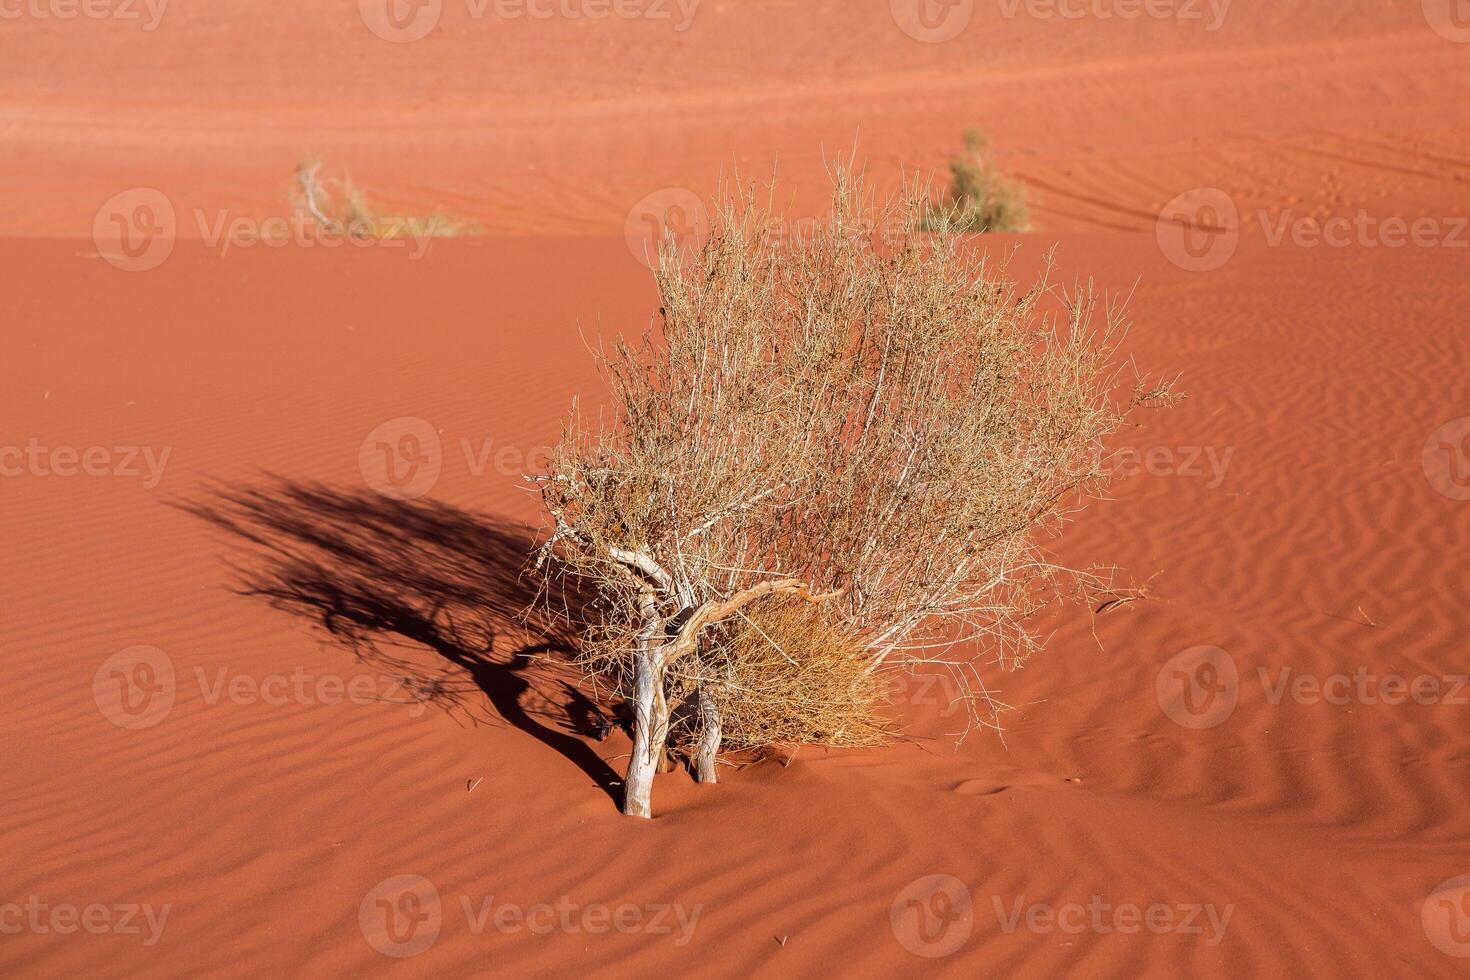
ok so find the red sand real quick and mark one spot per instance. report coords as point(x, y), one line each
point(1297, 511)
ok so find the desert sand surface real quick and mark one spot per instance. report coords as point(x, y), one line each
point(1260, 768)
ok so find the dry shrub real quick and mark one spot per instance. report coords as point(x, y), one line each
point(886, 429)
point(342, 208)
point(981, 198)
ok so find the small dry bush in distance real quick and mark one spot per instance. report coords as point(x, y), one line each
point(981, 198)
point(341, 208)
point(829, 458)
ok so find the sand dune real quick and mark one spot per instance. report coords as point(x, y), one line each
point(1298, 516)
point(263, 823)
point(559, 126)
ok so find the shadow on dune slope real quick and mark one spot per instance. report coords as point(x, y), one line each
point(373, 572)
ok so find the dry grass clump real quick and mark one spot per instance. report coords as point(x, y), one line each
point(981, 198)
point(884, 429)
point(341, 208)
point(787, 673)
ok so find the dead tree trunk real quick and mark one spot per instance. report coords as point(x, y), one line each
point(650, 702)
point(708, 751)
point(650, 732)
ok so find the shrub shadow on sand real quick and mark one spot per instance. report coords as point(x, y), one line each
point(374, 572)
